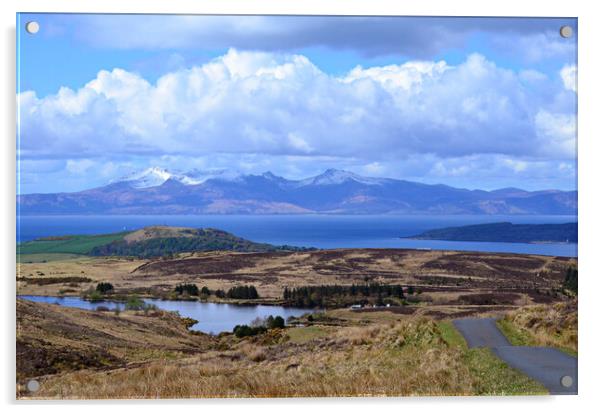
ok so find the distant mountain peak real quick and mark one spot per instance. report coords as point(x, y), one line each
point(337, 176)
point(156, 176)
point(149, 177)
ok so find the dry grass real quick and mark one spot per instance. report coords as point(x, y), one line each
point(552, 325)
point(398, 359)
point(52, 339)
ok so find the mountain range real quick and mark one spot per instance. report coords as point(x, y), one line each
point(159, 191)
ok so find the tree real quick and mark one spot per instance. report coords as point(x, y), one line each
point(104, 287)
point(190, 289)
point(243, 292)
point(205, 291)
point(246, 331)
point(275, 322)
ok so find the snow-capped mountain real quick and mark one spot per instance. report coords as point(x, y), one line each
point(159, 191)
point(337, 177)
point(146, 178)
point(156, 176)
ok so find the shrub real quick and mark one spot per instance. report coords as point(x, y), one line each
point(104, 287)
point(95, 296)
point(134, 303)
point(247, 331)
point(570, 279)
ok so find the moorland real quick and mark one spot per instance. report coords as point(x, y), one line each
point(397, 340)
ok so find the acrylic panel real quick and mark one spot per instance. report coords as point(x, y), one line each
point(295, 206)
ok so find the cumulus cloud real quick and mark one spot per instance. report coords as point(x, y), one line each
point(569, 77)
point(279, 104)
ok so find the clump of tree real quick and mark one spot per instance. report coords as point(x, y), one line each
point(570, 279)
point(247, 331)
point(245, 292)
point(328, 295)
point(274, 322)
point(104, 287)
point(189, 289)
point(258, 326)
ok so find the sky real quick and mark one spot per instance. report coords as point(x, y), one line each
point(481, 103)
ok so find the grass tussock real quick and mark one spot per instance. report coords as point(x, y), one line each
point(543, 325)
point(416, 356)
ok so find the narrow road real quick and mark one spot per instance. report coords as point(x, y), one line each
point(544, 364)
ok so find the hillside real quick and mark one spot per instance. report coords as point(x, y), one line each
point(157, 191)
point(154, 241)
point(100, 355)
point(504, 232)
point(53, 339)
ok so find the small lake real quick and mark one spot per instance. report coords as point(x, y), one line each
point(213, 318)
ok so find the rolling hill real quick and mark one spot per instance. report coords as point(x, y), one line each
point(155, 241)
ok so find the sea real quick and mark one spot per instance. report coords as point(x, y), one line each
point(320, 231)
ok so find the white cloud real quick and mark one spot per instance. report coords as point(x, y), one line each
point(272, 104)
point(557, 133)
point(569, 77)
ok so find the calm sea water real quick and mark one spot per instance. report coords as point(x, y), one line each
point(321, 231)
point(212, 317)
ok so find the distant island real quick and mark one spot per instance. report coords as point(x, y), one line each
point(149, 242)
point(504, 232)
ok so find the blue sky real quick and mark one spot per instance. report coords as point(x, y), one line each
point(470, 102)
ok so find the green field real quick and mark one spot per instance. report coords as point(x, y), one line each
point(72, 244)
point(46, 257)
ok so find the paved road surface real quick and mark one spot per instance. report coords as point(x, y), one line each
point(544, 364)
point(481, 332)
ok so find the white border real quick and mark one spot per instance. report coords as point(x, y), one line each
point(590, 161)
